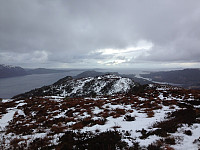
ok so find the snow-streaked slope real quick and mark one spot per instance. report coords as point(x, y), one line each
point(52, 116)
point(106, 84)
point(89, 86)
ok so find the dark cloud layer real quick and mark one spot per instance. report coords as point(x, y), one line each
point(72, 33)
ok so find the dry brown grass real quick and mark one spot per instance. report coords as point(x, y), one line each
point(150, 114)
point(77, 126)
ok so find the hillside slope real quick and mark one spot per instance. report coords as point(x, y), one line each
point(187, 78)
point(89, 86)
point(11, 71)
point(159, 117)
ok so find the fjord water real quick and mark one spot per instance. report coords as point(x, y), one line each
point(10, 87)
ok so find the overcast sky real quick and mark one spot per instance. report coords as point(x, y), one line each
point(100, 33)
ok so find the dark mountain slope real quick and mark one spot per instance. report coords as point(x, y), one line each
point(11, 71)
point(188, 78)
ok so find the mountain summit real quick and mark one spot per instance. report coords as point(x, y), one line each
point(89, 86)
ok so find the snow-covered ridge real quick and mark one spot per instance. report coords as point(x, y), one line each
point(89, 86)
point(8, 66)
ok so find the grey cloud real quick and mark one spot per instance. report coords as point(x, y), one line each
point(68, 31)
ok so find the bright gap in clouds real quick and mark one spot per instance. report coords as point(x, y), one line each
point(118, 56)
point(141, 45)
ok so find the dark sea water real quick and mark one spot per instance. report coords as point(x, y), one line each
point(10, 87)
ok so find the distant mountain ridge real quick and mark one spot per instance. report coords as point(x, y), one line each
point(11, 71)
point(7, 71)
point(187, 78)
point(93, 73)
point(88, 86)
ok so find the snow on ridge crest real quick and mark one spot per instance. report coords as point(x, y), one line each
point(8, 66)
point(88, 86)
point(105, 84)
point(110, 76)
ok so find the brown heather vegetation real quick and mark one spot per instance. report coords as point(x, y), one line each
point(41, 112)
point(44, 114)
